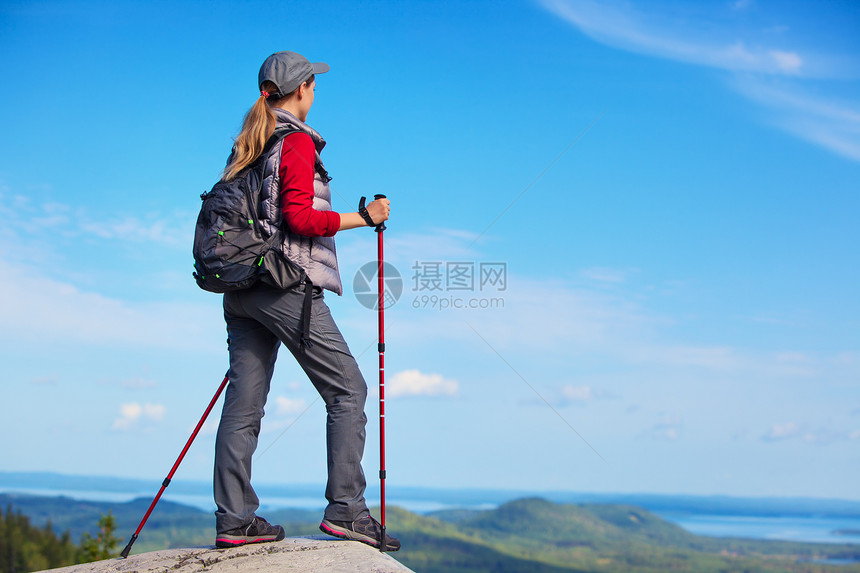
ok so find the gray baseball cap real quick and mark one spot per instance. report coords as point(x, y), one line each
point(288, 70)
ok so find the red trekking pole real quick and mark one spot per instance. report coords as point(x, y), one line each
point(379, 229)
point(166, 481)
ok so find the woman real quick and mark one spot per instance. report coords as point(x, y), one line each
point(295, 195)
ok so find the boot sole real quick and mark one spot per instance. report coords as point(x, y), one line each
point(225, 541)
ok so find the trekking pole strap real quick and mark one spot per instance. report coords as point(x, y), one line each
point(305, 337)
point(362, 210)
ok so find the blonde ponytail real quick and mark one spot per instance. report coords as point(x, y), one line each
point(258, 126)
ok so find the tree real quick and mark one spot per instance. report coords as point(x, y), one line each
point(24, 547)
point(103, 546)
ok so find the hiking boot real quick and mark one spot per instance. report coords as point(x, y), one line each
point(258, 531)
point(364, 529)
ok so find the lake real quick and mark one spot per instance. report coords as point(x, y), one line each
point(808, 528)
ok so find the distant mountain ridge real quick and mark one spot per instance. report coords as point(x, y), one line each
point(524, 535)
point(466, 497)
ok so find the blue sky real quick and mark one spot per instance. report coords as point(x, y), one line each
point(672, 189)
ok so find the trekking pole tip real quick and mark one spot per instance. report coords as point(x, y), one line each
point(127, 549)
point(383, 547)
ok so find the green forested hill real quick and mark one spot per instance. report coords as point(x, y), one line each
point(527, 535)
point(593, 537)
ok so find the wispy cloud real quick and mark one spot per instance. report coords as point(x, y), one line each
point(55, 219)
point(607, 274)
point(830, 124)
point(582, 394)
point(769, 73)
point(67, 313)
point(691, 40)
point(583, 320)
point(667, 428)
point(138, 383)
point(578, 393)
point(405, 248)
point(821, 436)
point(151, 229)
point(782, 431)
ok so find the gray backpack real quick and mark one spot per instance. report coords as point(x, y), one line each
point(231, 251)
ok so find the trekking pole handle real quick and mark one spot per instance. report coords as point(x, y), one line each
point(380, 227)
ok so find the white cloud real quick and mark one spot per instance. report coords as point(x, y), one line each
point(133, 413)
point(415, 383)
point(129, 413)
point(289, 406)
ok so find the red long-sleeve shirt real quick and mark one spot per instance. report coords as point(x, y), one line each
point(297, 190)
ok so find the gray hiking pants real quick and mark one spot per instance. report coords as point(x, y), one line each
point(259, 319)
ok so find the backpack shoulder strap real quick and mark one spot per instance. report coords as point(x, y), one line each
point(280, 132)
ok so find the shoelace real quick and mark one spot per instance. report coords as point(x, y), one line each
point(374, 524)
point(255, 521)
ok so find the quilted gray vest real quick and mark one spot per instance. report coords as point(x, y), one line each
point(316, 255)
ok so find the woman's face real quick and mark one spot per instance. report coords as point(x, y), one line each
point(307, 100)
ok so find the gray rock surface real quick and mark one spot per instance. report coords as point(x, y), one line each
point(315, 553)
